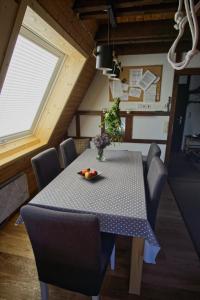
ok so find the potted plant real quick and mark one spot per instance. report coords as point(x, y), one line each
point(112, 122)
point(113, 131)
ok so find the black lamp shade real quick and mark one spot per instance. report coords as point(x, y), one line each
point(114, 73)
point(104, 57)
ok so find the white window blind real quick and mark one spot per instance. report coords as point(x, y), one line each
point(28, 79)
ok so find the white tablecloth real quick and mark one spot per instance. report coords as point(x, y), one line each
point(117, 196)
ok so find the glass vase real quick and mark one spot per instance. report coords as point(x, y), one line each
point(100, 155)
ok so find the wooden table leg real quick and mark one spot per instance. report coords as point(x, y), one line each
point(137, 253)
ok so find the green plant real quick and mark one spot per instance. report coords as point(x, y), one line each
point(112, 122)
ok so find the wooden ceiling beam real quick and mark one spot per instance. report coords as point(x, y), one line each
point(156, 47)
point(120, 9)
point(133, 4)
point(86, 6)
point(137, 31)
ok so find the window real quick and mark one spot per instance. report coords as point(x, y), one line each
point(30, 76)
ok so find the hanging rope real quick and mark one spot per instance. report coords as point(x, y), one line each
point(181, 21)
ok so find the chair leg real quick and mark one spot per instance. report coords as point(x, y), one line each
point(44, 290)
point(112, 259)
point(96, 297)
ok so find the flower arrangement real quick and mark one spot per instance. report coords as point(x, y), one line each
point(101, 141)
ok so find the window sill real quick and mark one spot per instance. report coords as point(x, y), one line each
point(11, 151)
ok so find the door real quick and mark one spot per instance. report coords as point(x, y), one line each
point(180, 112)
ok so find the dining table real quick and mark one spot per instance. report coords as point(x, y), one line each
point(116, 196)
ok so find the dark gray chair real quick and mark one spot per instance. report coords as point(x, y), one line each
point(154, 151)
point(46, 167)
point(70, 251)
point(155, 181)
point(68, 152)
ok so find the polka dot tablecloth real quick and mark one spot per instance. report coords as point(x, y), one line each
point(117, 196)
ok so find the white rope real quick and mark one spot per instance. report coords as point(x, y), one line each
point(181, 21)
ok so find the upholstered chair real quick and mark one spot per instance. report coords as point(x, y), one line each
point(154, 150)
point(70, 251)
point(68, 152)
point(156, 178)
point(46, 167)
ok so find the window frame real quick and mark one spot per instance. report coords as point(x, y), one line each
point(41, 42)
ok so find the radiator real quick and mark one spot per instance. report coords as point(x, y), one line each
point(13, 193)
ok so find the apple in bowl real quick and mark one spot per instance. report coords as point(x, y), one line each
point(88, 173)
point(82, 172)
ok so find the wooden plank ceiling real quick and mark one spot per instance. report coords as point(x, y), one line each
point(133, 24)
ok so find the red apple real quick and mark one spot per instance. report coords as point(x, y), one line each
point(84, 171)
point(88, 175)
point(94, 173)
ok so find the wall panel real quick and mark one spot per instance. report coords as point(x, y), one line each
point(89, 125)
point(154, 127)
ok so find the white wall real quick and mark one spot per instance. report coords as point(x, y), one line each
point(195, 62)
point(97, 99)
point(97, 96)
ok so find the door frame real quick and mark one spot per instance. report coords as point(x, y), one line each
point(189, 71)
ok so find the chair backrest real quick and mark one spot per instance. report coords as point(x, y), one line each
point(156, 179)
point(46, 167)
point(154, 150)
point(68, 152)
point(67, 247)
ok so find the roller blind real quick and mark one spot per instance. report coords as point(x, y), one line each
point(27, 82)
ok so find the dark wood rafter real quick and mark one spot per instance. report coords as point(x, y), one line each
point(126, 13)
point(128, 128)
point(149, 48)
point(148, 141)
point(124, 113)
point(96, 9)
point(78, 130)
point(156, 31)
point(102, 124)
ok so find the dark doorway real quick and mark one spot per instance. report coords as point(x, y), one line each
point(179, 119)
point(186, 127)
point(184, 163)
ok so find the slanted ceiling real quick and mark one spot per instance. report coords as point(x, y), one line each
point(61, 11)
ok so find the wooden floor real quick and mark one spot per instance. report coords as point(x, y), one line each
point(175, 276)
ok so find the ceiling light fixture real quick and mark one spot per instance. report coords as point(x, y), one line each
point(104, 57)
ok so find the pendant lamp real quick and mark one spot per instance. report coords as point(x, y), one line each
point(104, 57)
point(104, 53)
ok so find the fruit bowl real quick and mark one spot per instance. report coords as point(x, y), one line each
point(89, 174)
